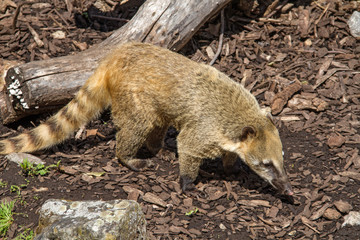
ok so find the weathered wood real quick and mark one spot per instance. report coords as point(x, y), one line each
point(41, 86)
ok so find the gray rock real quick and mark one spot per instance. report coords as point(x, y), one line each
point(352, 219)
point(354, 24)
point(68, 220)
point(19, 158)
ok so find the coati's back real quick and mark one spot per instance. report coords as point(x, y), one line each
point(177, 86)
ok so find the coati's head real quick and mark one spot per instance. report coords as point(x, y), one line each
point(261, 149)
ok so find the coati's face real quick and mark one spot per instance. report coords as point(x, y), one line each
point(261, 150)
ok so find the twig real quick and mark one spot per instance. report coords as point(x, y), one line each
point(328, 74)
point(277, 9)
point(62, 18)
point(36, 36)
point(16, 15)
point(5, 15)
point(331, 10)
point(57, 23)
point(112, 3)
point(220, 39)
point(312, 228)
point(271, 7)
point(322, 14)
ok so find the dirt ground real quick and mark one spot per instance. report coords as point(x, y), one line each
point(301, 45)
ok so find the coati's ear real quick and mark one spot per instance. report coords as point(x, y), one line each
point(247, 132)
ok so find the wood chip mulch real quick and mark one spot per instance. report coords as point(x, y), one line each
point(300, 60)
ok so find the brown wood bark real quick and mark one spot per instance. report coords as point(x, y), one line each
point(41, 86)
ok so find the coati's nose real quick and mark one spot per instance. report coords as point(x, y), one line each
point(283, 186)
point(288, 190)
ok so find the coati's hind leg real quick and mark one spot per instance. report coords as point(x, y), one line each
point(155, 140)
point(130, 138)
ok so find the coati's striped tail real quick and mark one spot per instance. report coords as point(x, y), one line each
point(88, 103)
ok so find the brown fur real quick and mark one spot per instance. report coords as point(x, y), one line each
point(150, 88)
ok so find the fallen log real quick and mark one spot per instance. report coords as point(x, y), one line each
point(40, 86)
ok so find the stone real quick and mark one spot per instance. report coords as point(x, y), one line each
point(116, 219)
point(354, 24)
point(19, 158)
point(222, 226)
point(335, 141)
point(352, 219)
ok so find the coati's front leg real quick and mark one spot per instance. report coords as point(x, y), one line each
point(229, 161)
point(189, 161)
point(189, 170)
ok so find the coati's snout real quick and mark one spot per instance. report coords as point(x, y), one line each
point(275, 175)
point(272, 172)
point(283, 186)
point(265, 157)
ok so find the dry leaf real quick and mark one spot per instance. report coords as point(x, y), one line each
point(91, 132)
point(95, 174)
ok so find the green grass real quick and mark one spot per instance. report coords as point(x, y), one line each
point(30, 169)
point(6, 217)
point(3, 184)
point(28, 234)
point(192, 212)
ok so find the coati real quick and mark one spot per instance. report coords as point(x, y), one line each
point(150, 88)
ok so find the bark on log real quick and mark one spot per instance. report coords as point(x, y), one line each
point(41, 86)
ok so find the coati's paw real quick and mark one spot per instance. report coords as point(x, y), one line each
point(186, 183)
point(137, 164)
point(166, 155)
